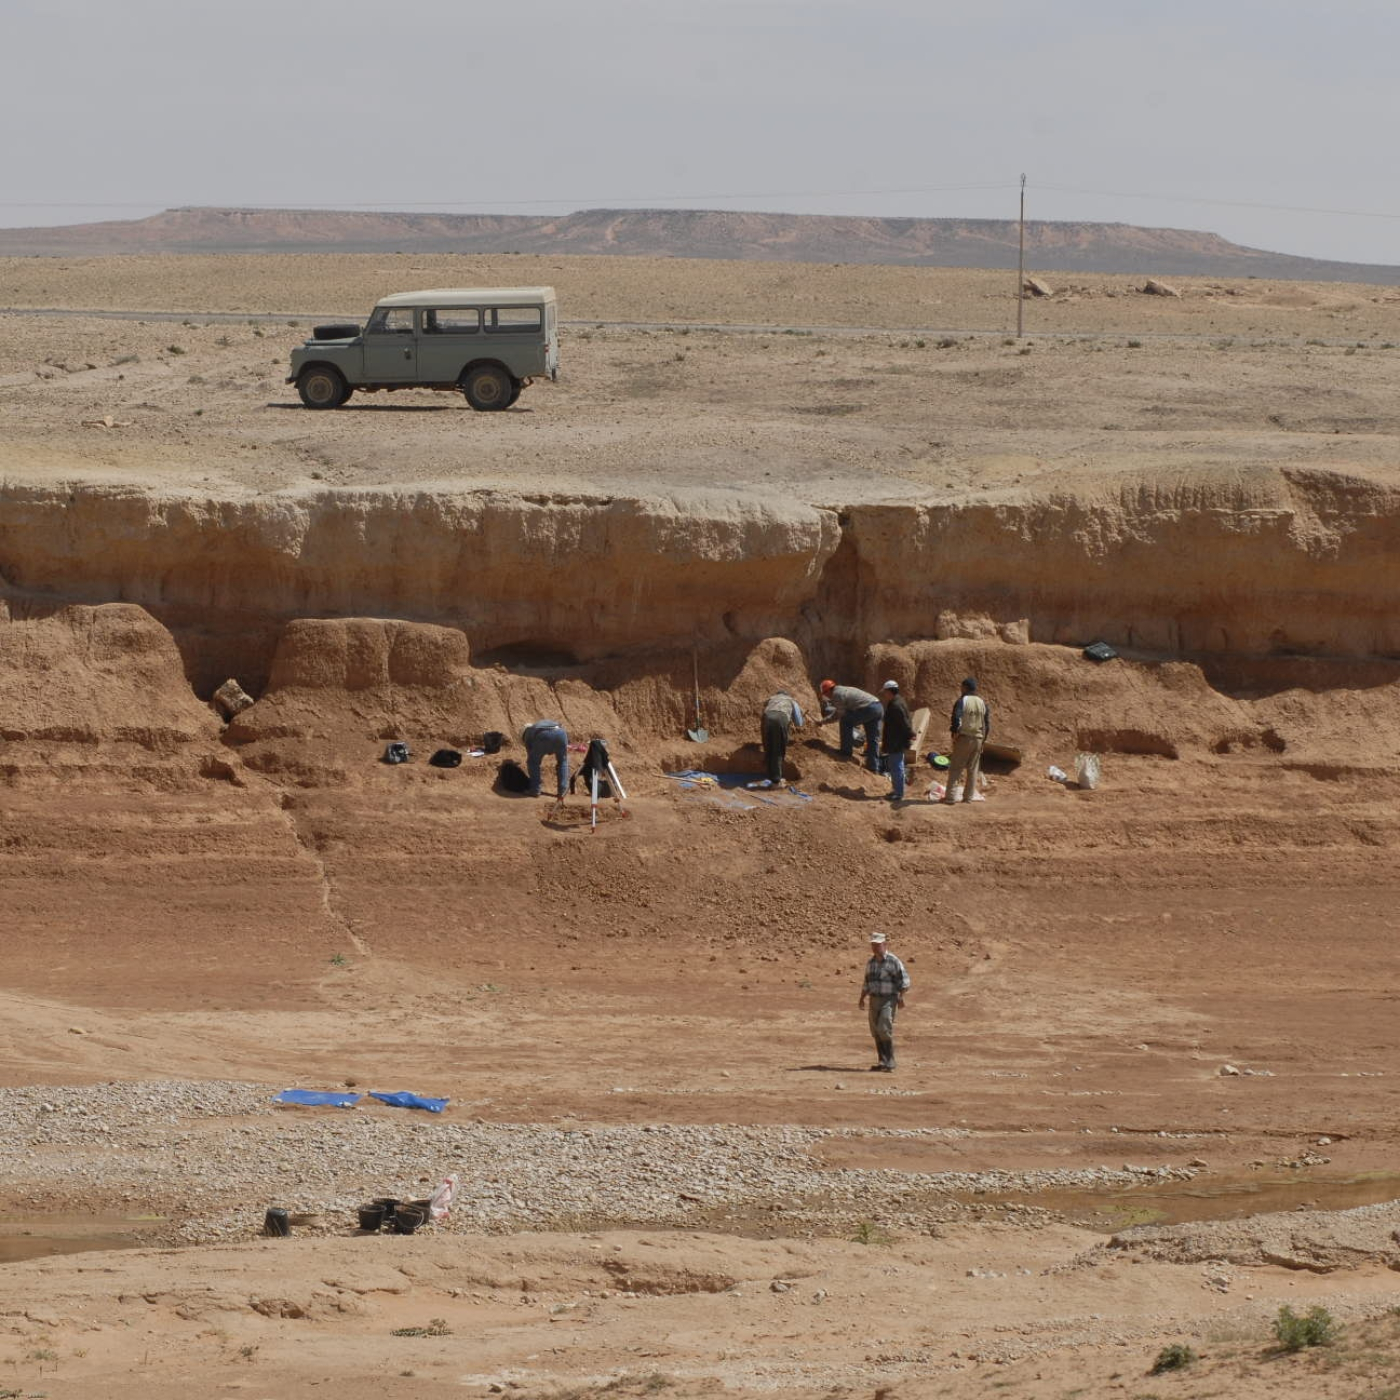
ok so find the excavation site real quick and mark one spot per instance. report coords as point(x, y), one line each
point(326, 1074)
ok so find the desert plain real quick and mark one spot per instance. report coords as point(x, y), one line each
point(1146, 1093)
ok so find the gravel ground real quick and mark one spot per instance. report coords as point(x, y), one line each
point(210, 1157)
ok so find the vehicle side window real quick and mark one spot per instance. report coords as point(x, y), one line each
point(391, 320)
point(453, 320)
point(514, 320)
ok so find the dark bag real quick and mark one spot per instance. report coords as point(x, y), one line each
point(512, 777)
point(446, 758)
point(492, 740)
point(1099, 651)
point(396, 753)
point(596, 759)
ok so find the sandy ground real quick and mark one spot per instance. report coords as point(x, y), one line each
point(1086, 965)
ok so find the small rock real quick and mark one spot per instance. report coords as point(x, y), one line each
point(1037, 288)
point(778, 1286)
point(1153, 288)
point(1228, 1069)
point(78, 1030)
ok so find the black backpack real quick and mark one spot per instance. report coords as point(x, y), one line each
point(446, 758)
point(396, 753)
point(596, 759)
point(492, 740)
point(512, 777)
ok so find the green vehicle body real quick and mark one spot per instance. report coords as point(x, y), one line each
point(486, 342)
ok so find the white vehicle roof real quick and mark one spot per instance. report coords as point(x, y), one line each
point(471, 296)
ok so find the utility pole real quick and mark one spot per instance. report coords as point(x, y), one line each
point(1021, 268)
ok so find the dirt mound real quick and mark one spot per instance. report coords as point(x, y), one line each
point(1316, 1241)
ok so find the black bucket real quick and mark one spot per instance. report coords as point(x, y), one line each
point(408, 1218)
point(276, 1225)
point(371, 1217)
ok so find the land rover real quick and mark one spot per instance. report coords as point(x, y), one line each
point(486, 342)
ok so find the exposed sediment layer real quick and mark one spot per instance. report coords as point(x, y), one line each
point(1267, 561)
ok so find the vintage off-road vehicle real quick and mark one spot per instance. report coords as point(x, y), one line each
point(487, 342)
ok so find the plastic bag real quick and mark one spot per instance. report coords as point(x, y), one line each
point(1056, 775)
point(1086, 770)
point(440, 1202)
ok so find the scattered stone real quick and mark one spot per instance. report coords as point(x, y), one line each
point(232, 699)
point(1153, 288)
point(1228, 1069)
point(1037, 288)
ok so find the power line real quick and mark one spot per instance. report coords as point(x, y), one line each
point(436, 204)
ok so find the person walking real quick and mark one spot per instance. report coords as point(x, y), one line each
point(972, 722)
point(882, 994)
point(896, 734)
point(854, 708)
point(543, 738)
point(779, 715)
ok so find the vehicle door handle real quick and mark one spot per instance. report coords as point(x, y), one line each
point(407, 353)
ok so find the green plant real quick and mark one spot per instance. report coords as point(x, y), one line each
point(1315, 1328)
point(919, 344)
point(868, 1232)
point(1176, 1357)
point(1135, 345)
point(339, 960)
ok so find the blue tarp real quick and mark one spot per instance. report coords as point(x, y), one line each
point(406, 1100)
point(314, 1098)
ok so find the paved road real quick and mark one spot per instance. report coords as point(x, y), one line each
point(293, 319)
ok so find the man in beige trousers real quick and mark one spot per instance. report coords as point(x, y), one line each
point(972, 722)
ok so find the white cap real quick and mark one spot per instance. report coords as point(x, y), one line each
point(877, 937)
point(890, 685)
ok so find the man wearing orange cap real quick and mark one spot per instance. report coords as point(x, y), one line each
point(854, 708)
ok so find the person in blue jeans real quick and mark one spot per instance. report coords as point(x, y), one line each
point(854, 709)
point(544, 738)
point(896, 735)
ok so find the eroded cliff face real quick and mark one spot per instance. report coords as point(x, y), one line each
point(1234, 563)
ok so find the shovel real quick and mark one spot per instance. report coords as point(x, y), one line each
point(698, 735)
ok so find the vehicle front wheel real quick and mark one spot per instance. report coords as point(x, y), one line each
point(322, 387)
point(489, 388)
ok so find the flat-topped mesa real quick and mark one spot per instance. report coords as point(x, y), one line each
point(1266, 562)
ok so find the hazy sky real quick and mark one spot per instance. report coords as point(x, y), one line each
point(1195, 114)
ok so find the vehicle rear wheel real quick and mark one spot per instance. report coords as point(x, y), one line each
point(488, 389)
point(322, 387)
point(515, 387)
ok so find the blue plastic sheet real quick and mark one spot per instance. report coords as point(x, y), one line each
point(406, 1100)
point(315, 1098)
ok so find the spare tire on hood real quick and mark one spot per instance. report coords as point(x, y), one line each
point(344, 331)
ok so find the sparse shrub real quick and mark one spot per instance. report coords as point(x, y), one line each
point(1314, 341)
point(127, 360)
point(1176, 1357)
point(437, 1327)
point(174, 349)
point(338, 959)
point(223, 342)
point(1350, 350)
point(1010, 340)
point(195, 379)
point(949, 342)
point(920, 344)
point(868, 1232)
point(1315, 1328)
point(1135, 345)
